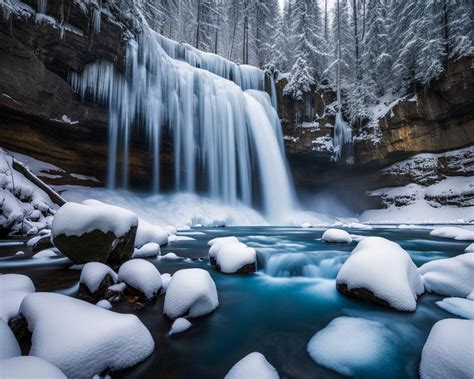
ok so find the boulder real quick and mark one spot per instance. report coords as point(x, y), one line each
point(42, 244)
point(95, 280)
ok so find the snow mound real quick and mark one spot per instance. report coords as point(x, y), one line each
point(170, 257)
point(104, 304)
point(234, 256)
point(448, 351)
point(13, 288)
point(190, 291)
point(222, 239)
point(179, 325)
point(74, 219)
point(29, 367)
point(83, 339)
point(142, 276)
point(450, 276)
point(350, 345)
point(386, 270)
point(8, 344)
point(336, 236)
point(150, 249)
point(470, 248)
point(46, 253)
point(173, 238)
point(165, 280)
point(453, 232)
point(148, 232)
point(458, 306)
point(93, 273)
point(306, 225)
point(251, 366)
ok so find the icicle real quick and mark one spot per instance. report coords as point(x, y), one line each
point(342, 135)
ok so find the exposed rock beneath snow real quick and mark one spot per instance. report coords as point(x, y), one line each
point(448, 350)
point(253, 365)
point(380, 271)
point(336, 236)
point(95, 280)
point(231, 256)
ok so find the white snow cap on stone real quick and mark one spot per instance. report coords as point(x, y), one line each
point(336, 236)
point(450, 276)
point(222, 239)
point(8, 344)
point(147, 232)
point(350, 344)
point(142, 276)
point(232, 256)
point(253, 366)
point(454, 232)
point(13, 288)
point(93, 273)
point(449, 350)
point(150, 249)
point(179, 325)
point(385, 269)
point(458, 306)
point(190, 291)
point(82, 339)
point(29, 367)
point(74, 219)
point(165, 280)
point(306, 225)
point(170, 257)
point(46, 253)
point(104, 304)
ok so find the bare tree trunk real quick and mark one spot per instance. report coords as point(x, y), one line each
point(245, 52)
point(338, 73)
point(326, 20)
point(446, 30)
point(198, 29)
point(356, 35)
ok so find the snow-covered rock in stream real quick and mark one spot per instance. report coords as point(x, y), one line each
point(174, 238)
point(454, 232)
point(82, 339)
point(104, 304)
point(179, 326)
point(232, 256)
point(94, 231)
point(380, 271)
point(141, 277)
point(150, 249)
point(336, 236)
point(29, 367)
point(253, 366)
point(148, 232)
point(95, 280)
point(13, 288)
point(190, 291)
point(352, 346)
point(450, 276)
point(8, 344)
point(47, 253)
point(165, 280)
point(470, 248)
point(458, 306)
point(449, 350)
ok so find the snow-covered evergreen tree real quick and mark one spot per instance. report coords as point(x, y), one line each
point(301, 78)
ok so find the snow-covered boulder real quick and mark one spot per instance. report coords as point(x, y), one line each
point(170, 257)
point(8, 344)
point(470, 248)
point(82, 339)
point(104, 304)
point(458, 306)
point(150, 233)
point(13, 288)
point(179, 326)
point(165, 280)
point(351, 346)
point(222, 239)
point(150, 249)
point(450, 276)
point(449, 350)
point(94, 231)
point(306, 225)
point(380, 271)
point(47, 253)
point(232, 256)
point(453, 232)
point(95, 280)
point(29, 367)
point(142, 278)
point(253, 366)
point(190, 291)
point(41, 242)
point(336, 236)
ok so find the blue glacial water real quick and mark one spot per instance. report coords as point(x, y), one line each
point(275, 311)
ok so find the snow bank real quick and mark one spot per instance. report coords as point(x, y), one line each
point(348, 345)
point(141, 275)
point(29, 367)
point(148, 232)
point(74, 219)
point(8, 344)
point(150, 249)
point(450, 276)
point(190, 291)
point(449, 350)
point(253, 365)
point(83, 339)
point(13, 288)
point(453, 232)
point(386, 270)
point(336, 236)
point(93, 273)
point(179, 325)
point(458, 306)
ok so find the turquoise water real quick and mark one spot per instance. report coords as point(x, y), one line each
point(277, 310)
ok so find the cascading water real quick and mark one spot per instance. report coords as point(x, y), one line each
point(216, 128)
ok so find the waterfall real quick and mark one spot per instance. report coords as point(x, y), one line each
point(42, 5)
point(230, 135)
